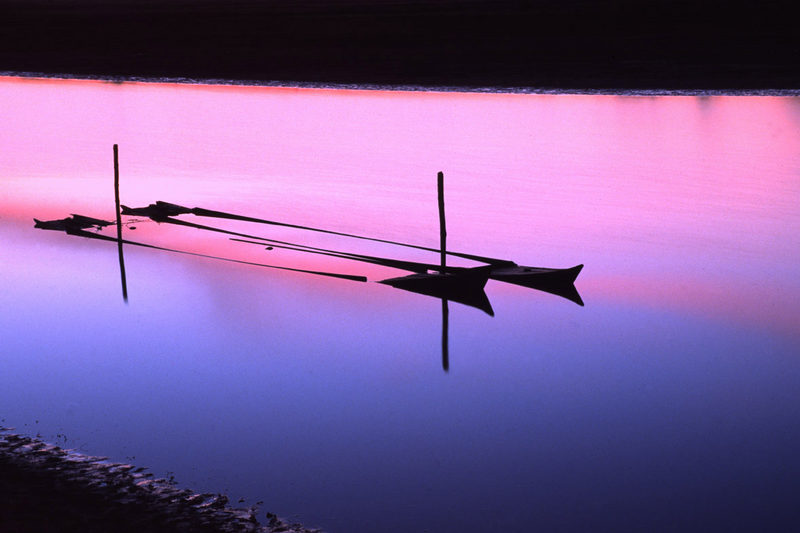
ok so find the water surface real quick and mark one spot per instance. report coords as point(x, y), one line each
point(668, 402)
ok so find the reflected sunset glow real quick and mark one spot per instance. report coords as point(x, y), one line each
point(710, 188)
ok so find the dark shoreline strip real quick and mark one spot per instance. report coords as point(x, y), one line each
point(676, 44)
point(40, 481)
point(608, 89)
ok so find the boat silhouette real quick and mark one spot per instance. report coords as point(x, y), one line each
point(464, 286)
point(558, 281)
point(76, 222)
point(460, 284)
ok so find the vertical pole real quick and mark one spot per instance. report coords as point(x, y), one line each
point(445, 335)
point(119, 225)
point(442, 228)
point(443, 251)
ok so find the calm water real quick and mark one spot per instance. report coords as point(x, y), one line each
point(668, 402)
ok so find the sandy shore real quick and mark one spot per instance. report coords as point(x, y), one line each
point(667, 44)
point(45, 489)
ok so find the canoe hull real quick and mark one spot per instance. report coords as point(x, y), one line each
point(462, 286)
point(558, 281)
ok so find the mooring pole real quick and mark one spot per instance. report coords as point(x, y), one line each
point(119, 225)
point(442, 228)
point(443, 251)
